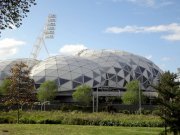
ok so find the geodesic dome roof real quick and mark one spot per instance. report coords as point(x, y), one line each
point(6, 65)
point(122, 67)
point(105, 68)
point(68, 72)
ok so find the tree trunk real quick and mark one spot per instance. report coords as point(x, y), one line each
point(18, 115)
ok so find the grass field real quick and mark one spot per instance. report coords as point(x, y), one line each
point(46, 129)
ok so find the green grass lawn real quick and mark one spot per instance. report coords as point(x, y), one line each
point(46, 129)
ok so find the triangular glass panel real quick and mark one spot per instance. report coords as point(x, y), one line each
point(131, 78)
point(125, 73)
point(119, 78)
point(137, 75)
point(75, 84)
point(113, 78)
point(146, 84)
point(125, 82)
point(106, 83)
point(95, 83)
point(107, 76)
point(37, 86)
point(142, 69)
point(62, 81)
point(102, 79)
point(127, 68)
point(156, 71)
point(150, 63)
point(144, 79)
point(137, 70)
point(86, 79)
point(140, 79)
point(95, 74)
point(117, 69)
point(57, 82)
point(153, 72)
point(110, 75)
point(79, 79)
point(41, 80)
point(148, 73)
point(122, 64)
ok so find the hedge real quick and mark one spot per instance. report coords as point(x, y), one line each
point(79, 118)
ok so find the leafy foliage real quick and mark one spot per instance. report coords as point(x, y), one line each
point(47, 91)
point(169, 101)
point(83, 94)
point(79, 118)
point(21, 88)
point(4, 87)
point(13, 11)
point(131, 96)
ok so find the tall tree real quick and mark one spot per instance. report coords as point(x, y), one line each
point(83, 94)
point(13, 11)
point(47, 91)
point(169, 101)
point(131, 96)
point(21, 89)
point(4, 87)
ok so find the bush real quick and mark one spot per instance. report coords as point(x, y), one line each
point(79, 118)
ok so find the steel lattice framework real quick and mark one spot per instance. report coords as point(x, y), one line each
point(47, 33)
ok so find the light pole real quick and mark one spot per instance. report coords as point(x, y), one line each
point(93, 99)
point(140, 108)
point(97, 96)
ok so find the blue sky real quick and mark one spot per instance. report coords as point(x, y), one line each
point(150, 28)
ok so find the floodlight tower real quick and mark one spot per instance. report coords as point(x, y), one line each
point(47, 33)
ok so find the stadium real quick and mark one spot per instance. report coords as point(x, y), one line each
point(107, 71)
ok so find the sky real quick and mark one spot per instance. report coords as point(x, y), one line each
point(149, 28)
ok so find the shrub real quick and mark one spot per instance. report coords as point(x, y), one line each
point(79, 118)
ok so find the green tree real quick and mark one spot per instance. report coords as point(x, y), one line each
point(131, 96)
point(21, 89)
point(13, 11)
point(83, 94)
point(169, 101)
point(4, 87)
point(47, 91)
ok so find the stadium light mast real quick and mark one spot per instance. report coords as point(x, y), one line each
point(47, 33)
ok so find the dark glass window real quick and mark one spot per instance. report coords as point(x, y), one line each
point(86, 78)
point(63, 81)
point(75, 84)
point(117, 69)
point(79, 79)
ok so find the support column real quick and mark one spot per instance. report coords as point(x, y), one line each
point(93, 103)
point(97, 100)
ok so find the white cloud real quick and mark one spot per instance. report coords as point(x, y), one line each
point(172, 37)
point(148, 3)
point(9, 46)
point(166, 59)
point(149, 57)
point(8, 52)
point(10, 42)
point(72, 49)
point(172, 30)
